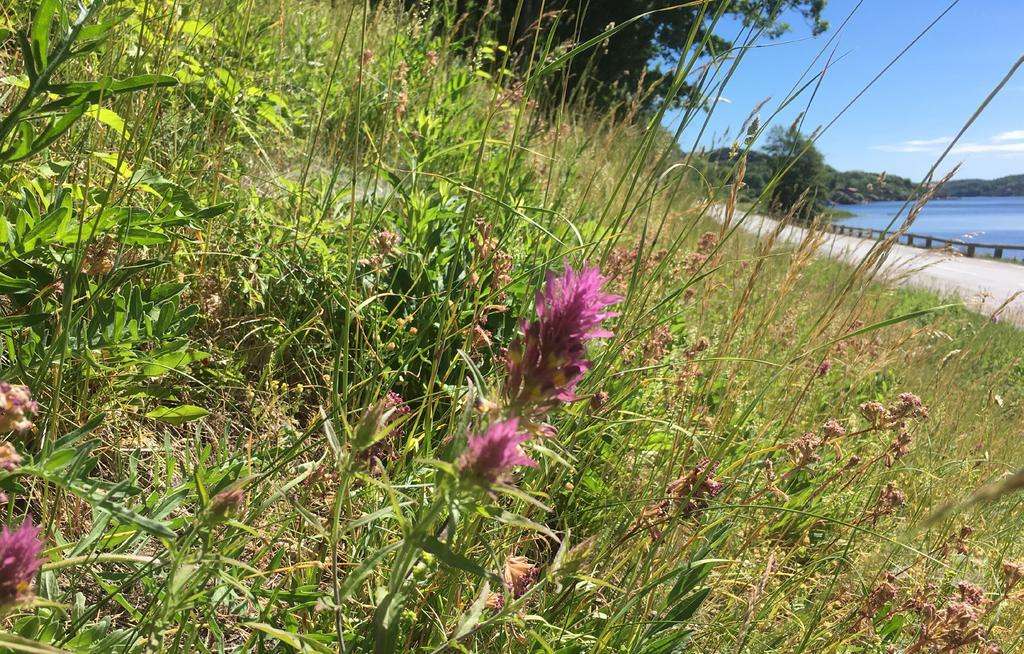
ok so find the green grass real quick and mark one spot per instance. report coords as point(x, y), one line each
point(204, 294)
point(838, 214)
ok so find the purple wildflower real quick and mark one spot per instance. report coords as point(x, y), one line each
point(547, 362)
point(393, 402)
point(823, 369)
point(19, 561)
point(489, 456)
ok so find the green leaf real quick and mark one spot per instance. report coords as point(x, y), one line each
point(685, 609)
point(51, 227)
point(58, 127)
point(295, 641)
point(332, 435)
point(101, 498)
point(196, 28)
point(23, 320)
point(59, 459)
point(91, 36)
point(19, 644)
point(267, 112)
point(125, 514)
point(109, 118)
point(140, 82)
point(213, 211)
point(285, 637)
point(73, 437)
point(450, 558)
point(471, 618)
point(10, 284)
point(172, 361)
point(39, 34)
point(81, 92)
point(521, 522)
point(178, 415)
point(22, 146)
point(668, 643)
point(143, 236)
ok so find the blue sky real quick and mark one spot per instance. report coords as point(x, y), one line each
point(904, 122)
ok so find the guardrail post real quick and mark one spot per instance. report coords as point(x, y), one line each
point(910, 239)
point(998, 253)
point(928, 242)
point(970, 250)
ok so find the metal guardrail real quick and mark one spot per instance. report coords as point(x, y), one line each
point(919, 240)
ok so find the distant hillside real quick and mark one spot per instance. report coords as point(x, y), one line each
point(856, 186)
point(1009, 185)
point(849, 187)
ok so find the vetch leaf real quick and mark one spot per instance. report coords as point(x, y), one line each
point(39, 34)
point(23, 320)
point(178, 415)
point(172, 361)
point(73, 437)
point(58, 127)
point(80, 92)
point(20, 644)
point(59, 459)
point(285, 637)
point(109, 118)
point(452, 559)
point(197, 28)
point(22, 146)
point(472, 616)
point(101, 499)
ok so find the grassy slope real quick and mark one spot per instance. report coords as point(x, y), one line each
point(329, 131)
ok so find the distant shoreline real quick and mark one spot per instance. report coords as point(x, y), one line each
point(980, 282)
point(981, 220)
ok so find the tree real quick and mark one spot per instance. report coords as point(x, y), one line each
point(800, 173)
point(634, 56)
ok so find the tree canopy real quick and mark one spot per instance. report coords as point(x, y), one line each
point(634, 56)
point(802, 183)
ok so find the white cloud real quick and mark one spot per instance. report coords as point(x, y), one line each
point(1012, 135)
point(974, 148)
point(942, 140)
point(915, 145)
point(902, 148)
point(1010, 142)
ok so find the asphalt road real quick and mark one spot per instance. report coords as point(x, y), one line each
point(983, 284)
